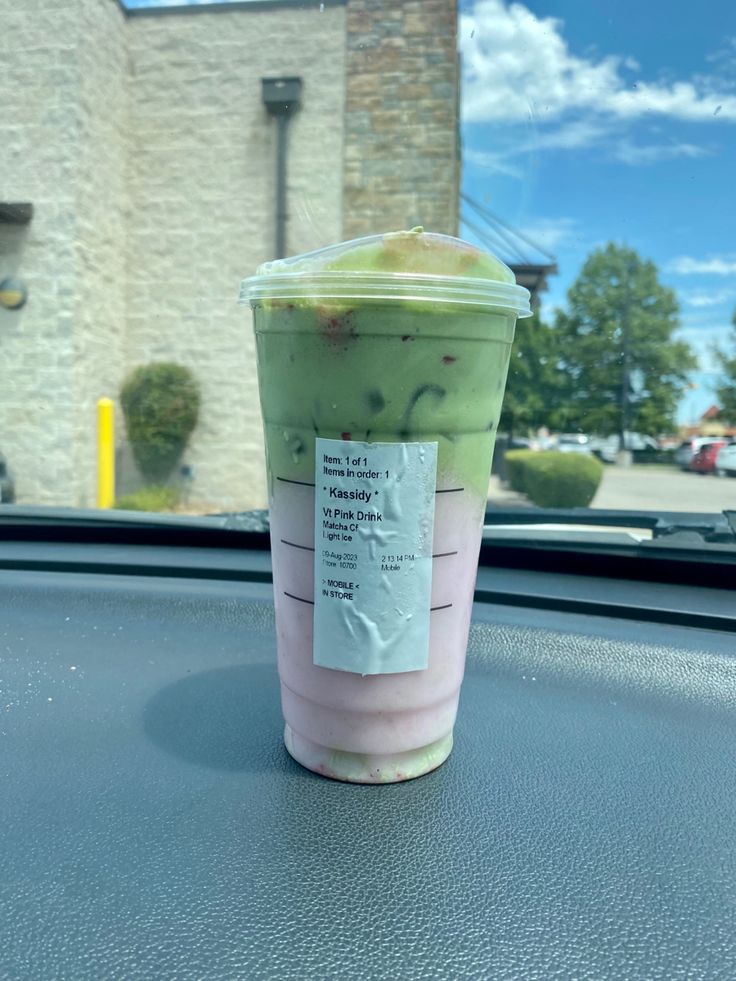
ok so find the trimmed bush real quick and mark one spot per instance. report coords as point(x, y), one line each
point(161, 404)
point(154, 498)
point(515, 460)
point(561, 480)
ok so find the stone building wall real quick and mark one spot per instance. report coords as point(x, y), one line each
point(62, 148)
point(201, 194)
point(402, 159)
point(101, 226)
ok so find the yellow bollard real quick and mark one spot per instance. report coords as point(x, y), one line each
point(105, 453)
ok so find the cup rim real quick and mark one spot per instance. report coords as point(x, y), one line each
point(392, 287)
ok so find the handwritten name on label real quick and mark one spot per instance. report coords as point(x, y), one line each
point(374, 516)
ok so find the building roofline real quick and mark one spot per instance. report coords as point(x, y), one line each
point(549, 268)
point(214, 8)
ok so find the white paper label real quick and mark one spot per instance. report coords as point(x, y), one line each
point(374, 520)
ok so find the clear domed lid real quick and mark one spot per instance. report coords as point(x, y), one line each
point(411, 265)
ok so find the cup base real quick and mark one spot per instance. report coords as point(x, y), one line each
point(367, 767)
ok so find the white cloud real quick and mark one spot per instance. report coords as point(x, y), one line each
point(518, 143)
point(569, 136)
point(550, 233)
point(700, 319)
point(518, 66)
point(725, 57)
point(633, 154)
point(574, 135)
point(682, 100)
point(701, 300)
point(495, 162)
point(717, 265)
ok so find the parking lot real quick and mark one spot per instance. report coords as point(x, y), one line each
point(664, 489)
point(649, 488)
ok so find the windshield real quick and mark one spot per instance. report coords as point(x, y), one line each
point(156, 153)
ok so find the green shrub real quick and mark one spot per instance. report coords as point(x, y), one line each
point(515, 465)
point(562, 480)
point(154, 498)
point(161, 404)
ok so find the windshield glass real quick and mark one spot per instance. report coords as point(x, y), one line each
point(156, 153)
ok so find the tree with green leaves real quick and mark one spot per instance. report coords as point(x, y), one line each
point(622, 367)
point(726, 391)
point(533, 385)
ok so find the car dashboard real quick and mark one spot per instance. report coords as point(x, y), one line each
point(154, 826)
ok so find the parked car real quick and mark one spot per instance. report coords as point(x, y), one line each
point(726, 461)
point(572, 443)
point(607, 449)
point(689, 447)
point(7, 484)
point(704, 460)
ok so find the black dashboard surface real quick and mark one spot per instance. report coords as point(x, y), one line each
point(152, 825)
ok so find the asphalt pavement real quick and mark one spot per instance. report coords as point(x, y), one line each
point(648, 488)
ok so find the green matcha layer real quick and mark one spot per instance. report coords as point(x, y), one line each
point(367, 768)
point(401, 337)
point(340, 379)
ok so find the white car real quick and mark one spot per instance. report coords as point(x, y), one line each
point(572, 443)
point(608, 448)
point(726, 461)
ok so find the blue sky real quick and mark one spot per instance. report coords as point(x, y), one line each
point(585, 121)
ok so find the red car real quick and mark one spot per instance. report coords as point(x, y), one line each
point(704, 460)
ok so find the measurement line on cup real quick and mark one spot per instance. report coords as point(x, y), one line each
point(303, 483)
point(445, 607)
point(442, 555)
point(299, 598)
point(450, 490)
point(307, 548)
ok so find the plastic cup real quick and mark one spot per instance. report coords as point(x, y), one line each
point(397, 339)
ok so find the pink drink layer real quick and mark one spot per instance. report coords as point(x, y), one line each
point(344, 358)
point(381, 725)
